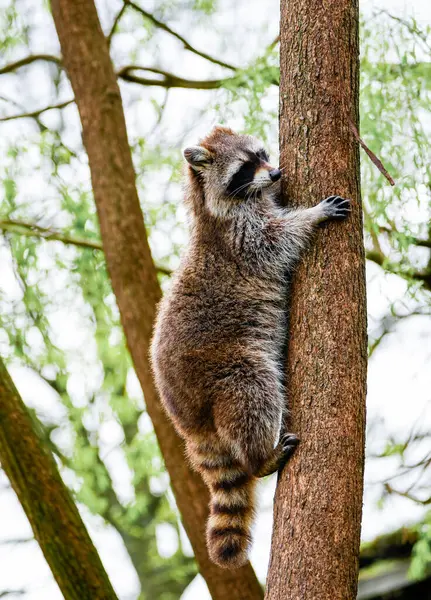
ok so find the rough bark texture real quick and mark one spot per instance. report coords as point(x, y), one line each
point(53, 515)
point(318, 503)
point(129, 261)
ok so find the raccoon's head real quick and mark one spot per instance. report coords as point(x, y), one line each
point(232, 169)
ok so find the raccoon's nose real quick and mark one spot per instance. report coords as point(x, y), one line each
point(275, 174)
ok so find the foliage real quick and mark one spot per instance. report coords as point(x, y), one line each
point(395, 106)
point(249, 89)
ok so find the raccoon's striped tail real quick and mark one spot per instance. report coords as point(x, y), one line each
point(231, 516)
point(231, 507)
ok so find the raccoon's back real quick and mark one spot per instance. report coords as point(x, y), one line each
point(215, 310)
point(192, 316)
point(212, 316)
point(179, 354)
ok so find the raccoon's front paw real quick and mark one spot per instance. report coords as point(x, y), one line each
point(335, 208)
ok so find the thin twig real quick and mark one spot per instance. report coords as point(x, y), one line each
point(16, 541)
point(179, 37)
point(389, 323)
point(273, 44)
point(160, 115)
point(371, 154)
point(28, 60)
point(11, 101)
point(39, 123)
point(390, 490)
point(115, 24)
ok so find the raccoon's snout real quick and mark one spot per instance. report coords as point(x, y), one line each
point(275, 175)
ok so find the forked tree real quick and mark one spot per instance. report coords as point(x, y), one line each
point(319, 496)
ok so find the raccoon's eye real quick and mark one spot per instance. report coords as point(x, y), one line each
point(240, 181)
point(262, 155)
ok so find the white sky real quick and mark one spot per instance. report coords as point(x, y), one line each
point(398, 391)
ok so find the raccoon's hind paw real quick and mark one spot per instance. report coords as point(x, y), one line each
point(288, 442)
point(280, 455)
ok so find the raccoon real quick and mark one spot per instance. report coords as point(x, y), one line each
point(217, 350)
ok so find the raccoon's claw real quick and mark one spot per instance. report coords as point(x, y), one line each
point(288, 442)
point(336, 208)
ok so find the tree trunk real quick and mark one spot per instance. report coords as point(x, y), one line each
point(130, 265)
point(318, 505)
point(53, 515)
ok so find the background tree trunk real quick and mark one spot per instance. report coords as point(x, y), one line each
point(318, 504)
point(53, 515)
point(130, 265)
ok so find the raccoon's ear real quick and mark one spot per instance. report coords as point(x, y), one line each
point(198, 157)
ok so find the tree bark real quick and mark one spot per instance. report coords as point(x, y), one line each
point(53, 515)
point(318, 504)
point(130, 265)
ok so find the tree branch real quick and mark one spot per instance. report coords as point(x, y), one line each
point(33, 230)
point(179, 37)
point(423, 276)
point(168, 80)
point(22, 109)
point(36, 113)
point(29, 60)
point(381, 260)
